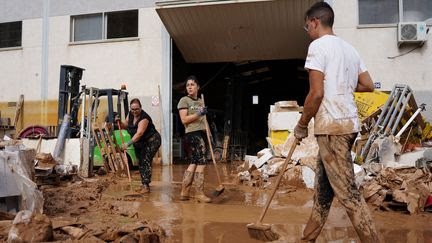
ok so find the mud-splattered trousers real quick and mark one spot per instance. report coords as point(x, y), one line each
point(198, 147)
point(335, 177)
point(145, 152)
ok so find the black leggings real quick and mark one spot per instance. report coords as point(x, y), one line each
point(145, 153)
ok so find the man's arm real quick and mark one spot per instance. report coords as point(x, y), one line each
point(365, 83)
point(314, 97)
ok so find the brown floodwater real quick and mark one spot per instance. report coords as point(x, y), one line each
point(225, 219)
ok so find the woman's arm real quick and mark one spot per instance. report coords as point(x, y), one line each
point(188, 119)
point(142, 126)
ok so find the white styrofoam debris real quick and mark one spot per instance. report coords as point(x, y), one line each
point(308, 177)
point(263, 151)
point(283, 120)
point(264, 158)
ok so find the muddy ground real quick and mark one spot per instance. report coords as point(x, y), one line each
point(108, 208)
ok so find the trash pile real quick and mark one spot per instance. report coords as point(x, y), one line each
point(47, 208)
point(36, 227)
point(258, 170)
point(392, 155)
point(49, 171)
point(400, 190)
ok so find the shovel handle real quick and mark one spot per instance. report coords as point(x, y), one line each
point(210, 144)
point(279, 178)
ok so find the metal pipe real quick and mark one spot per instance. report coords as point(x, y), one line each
point(83, 106)
point(402, 111)
point(396, 110)
point(421, 108)
point(62, 136)
point(385, 107)
point(390, 111)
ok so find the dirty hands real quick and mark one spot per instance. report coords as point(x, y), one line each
point(300, 131)
point(202, 111)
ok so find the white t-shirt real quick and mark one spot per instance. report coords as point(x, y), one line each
point(341, 64)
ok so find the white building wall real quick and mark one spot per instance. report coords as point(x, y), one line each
point(136, 62)
point(140, 63)
point(375, 45)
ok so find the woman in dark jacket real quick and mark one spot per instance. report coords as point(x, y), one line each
point(145, 139)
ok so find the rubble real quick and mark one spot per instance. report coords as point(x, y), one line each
point(400, 189)
point(30, 227)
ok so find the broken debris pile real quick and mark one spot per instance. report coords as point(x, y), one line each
point(50, 171)
point(399, 189)
point(36, 227)
point(258, 171)
point(141, 231)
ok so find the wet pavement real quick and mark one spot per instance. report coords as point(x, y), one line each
point(225, 219)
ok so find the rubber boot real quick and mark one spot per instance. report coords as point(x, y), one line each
point(199, 183)
point(145, 189)
point(186, 185)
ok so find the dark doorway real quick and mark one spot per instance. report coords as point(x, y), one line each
point(229, 89)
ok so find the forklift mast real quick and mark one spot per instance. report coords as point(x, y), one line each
point(69, 97)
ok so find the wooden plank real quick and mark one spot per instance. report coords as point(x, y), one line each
point(102, 152)
point(106, 150)
point(225, 147)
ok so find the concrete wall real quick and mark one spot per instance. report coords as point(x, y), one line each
point(376, 44)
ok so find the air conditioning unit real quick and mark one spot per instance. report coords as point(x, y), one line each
point(412, 32)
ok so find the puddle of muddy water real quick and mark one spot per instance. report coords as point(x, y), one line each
point(225, 219)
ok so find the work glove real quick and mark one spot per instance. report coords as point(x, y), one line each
point(300, 131)
point(202, 111)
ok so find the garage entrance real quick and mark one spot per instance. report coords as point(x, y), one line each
point(247, 55)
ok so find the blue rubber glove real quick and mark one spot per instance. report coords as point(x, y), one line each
point(202, 111)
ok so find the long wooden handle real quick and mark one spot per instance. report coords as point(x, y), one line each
point(210, 143)
point(124, 152)
point(285, 165)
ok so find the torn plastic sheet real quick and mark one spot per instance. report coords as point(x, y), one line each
point(31, 197)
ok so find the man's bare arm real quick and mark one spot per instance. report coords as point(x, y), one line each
point(314, 97)
point(365, 83)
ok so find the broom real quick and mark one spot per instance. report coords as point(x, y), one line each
point(262, 231)
point(220, 188)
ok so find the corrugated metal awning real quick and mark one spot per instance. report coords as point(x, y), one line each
point(232, 31)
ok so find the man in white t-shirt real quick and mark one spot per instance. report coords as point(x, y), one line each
point(335, 72)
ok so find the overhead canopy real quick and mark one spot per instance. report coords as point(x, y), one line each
point(233, 31)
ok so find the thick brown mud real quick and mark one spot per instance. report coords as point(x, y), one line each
point(225, 219)
point(110, 208)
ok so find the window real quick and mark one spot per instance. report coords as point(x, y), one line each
point(10, 34)
point(390, 11)
point(417, 10)
point(378, 12)
point(88, 27)
point(122, 24)
point(104, 26)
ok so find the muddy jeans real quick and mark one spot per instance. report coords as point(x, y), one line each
point(145, 153)
point(335, 177)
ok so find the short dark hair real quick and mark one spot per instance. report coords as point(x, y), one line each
point(135, 100)
point(321, 11)
point(193, 78)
